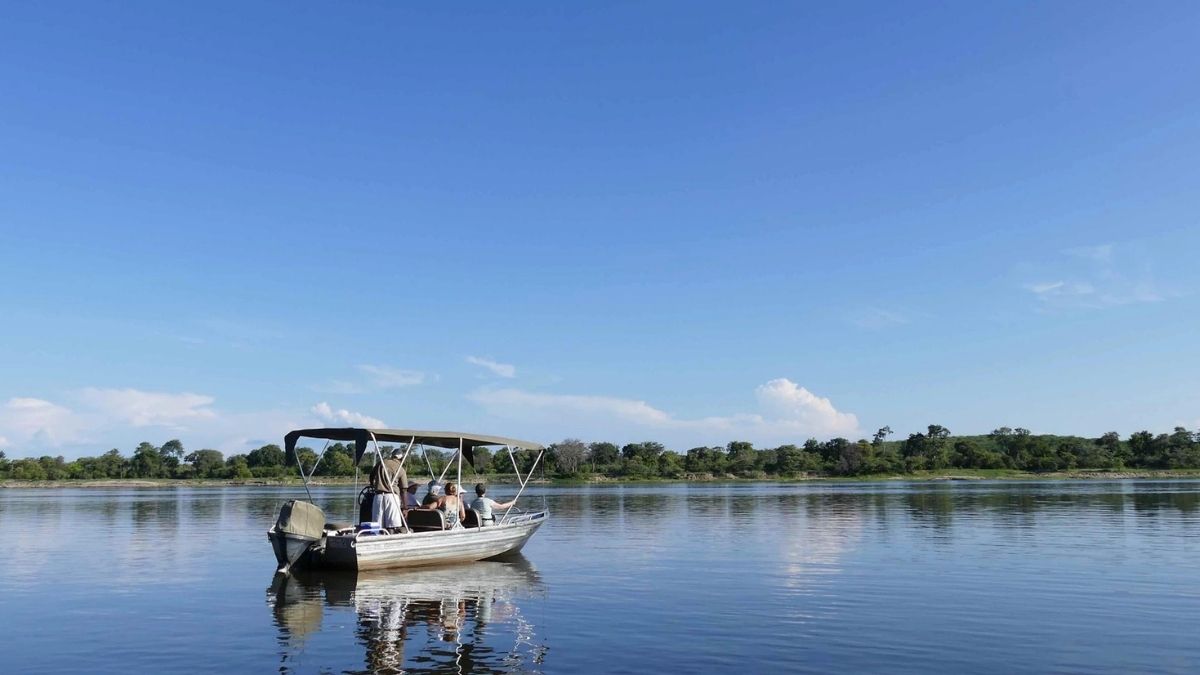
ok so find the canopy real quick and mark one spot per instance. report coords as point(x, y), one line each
point(439, 439)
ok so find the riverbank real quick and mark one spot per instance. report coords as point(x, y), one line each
point(955, 475)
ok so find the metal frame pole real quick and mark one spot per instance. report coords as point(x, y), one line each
point(523, 483)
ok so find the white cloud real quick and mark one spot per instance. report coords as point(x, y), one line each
point(386, 377)
point(789, 413)
point(328, 414)
point(42, 422)
point(499, 369)
point(149, 408)
point(796, 407)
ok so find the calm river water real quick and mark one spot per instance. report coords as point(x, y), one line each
point(982, 577)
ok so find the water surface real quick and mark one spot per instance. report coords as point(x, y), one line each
point(880, 577)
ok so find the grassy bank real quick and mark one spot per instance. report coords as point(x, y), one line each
point(599, 479)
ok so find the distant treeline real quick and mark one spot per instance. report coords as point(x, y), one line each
point(934, 450)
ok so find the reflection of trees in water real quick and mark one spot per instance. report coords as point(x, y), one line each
point(160, 509)
point(204, 508)
point(456, 619)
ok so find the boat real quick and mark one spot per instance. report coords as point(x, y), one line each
point(303, 538)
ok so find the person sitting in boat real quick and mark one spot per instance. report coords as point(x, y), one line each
point(486, 506)
point(410, 497)
point(451, 505)
point(434, 488)
point(389, 480)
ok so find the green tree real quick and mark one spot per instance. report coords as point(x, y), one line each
point(670, 465)
point(27, 469)
point(268, 455)
point(881, 436)
point(647, 451)
point(237, 467)
point(741, 456)
point(206, 463)
point(172, 454)
point(603, 454)
point(852, 457)
point(146, 461)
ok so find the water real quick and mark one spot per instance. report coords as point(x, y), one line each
point(875, 577)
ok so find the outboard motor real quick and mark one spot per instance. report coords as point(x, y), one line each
point(299, 529)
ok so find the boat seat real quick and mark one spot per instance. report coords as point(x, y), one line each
point(472, 519)
point(425, 520)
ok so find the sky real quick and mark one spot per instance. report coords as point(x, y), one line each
point(690, 223)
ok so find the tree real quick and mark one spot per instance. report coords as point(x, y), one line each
point(706, 460)
point(647, 451)
point(937, 449)
point(336, 464)
point(27, 469)
point(172, 454)
point(206, 463)
point(568, 455)
point(146, 462)
point(603, 454)
point(267, 455)
point(852, 458)
point(881, 436)
point(741, 456)
point(670, 464)
point(237, 467)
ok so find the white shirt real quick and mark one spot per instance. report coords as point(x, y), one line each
point(483, 506)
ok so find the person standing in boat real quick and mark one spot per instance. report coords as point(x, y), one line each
point(389, 481)
point(486, 506)
point(451, 504)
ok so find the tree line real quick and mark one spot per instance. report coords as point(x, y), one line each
point(171, 460)
point(935, 449)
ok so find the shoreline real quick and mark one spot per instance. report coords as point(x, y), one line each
point(934, 476)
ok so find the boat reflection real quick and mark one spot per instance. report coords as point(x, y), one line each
point(451, 619)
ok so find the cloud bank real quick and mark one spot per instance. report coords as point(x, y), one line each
point(787, 413)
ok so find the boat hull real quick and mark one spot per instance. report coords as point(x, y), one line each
point(424, 549)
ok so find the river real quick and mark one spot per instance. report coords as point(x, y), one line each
point(888, 577)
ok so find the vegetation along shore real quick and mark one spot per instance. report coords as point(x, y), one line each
point(935, 453)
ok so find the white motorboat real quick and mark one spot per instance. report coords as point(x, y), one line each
point(302, 537)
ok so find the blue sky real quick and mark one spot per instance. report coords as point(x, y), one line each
point(619, 222)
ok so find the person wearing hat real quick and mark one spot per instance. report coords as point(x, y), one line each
point(389, 481)
point(410, 496)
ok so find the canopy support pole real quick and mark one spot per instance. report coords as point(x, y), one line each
point(524, 482)
point(300, 466)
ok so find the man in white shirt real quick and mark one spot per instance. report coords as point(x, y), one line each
point(486, 507)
